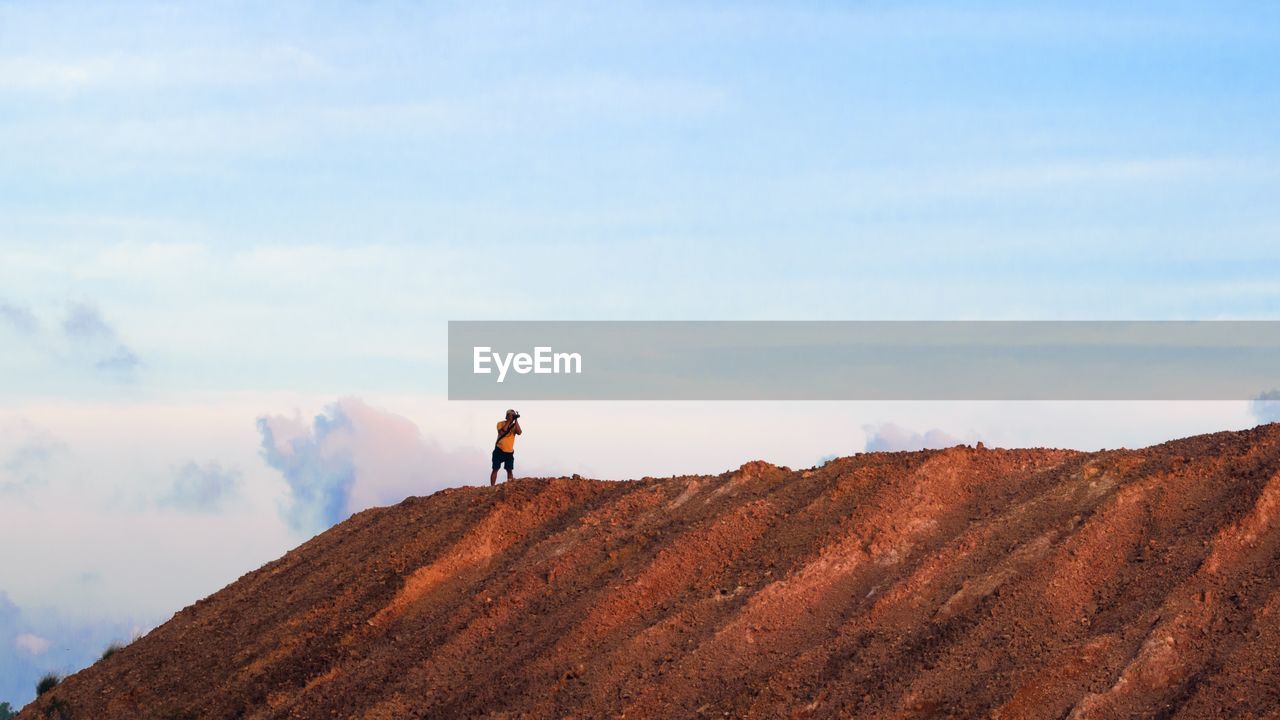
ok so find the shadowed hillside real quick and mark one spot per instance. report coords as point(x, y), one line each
point(961, 582)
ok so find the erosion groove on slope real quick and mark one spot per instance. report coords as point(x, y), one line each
point(962, 582)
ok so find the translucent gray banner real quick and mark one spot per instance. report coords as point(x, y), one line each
point(713, 360)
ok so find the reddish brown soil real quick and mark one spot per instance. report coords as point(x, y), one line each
point(954, 583)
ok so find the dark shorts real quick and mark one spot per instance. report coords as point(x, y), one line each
point(503, 459)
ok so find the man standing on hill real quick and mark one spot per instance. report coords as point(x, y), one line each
point(504, 450)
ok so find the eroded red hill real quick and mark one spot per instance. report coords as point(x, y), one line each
point(962, 582)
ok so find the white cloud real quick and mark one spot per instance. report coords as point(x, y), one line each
point(891, 437)
point(62, 75)
point(924, 185)
point(31, 644)
point(107, 503)
point(202, 488)
point(44, 75)
point(354, 456)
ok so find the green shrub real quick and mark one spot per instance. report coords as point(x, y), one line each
point(6, 711)
point(47, 683)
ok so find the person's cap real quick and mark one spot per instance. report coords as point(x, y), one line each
point(511, 412)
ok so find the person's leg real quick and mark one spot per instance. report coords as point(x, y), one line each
point(509, 464)
point(493, 477)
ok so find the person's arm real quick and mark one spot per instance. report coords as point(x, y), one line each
point(518, 430)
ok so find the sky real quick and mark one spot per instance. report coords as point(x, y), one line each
point(232, 234)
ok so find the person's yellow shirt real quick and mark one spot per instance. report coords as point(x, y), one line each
point(508, 443)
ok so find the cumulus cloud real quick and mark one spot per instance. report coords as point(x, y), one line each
point(88, 332)
point(353, 456)
point(1266, 407)
point(202, 488)
point(890, 437)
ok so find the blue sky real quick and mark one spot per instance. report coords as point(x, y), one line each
point(222, 217)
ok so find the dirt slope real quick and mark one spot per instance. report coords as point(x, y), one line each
point(962, 582)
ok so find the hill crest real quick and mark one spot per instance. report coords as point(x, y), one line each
point(965, 581)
